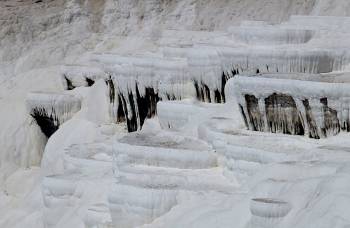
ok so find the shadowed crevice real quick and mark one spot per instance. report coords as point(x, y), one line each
point(89, 81)
point(48, 124)
point(147, 104)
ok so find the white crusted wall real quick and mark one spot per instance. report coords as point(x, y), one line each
point(38, 35)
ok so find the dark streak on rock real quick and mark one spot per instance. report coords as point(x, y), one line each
point(254, 114)
point(313, 133)
point(196, 86)
point(244, 116)
point(111, 89)
point(217, 96)
point(207, 92)
point(132, 122)
point(69, 83)
point(331, 121)
point(147, 104)
point(120, 112)
point(143, 107)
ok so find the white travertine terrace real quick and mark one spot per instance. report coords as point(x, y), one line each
point(62, 105)
point(50, 110)
point(268, 212)
point(202, 88)
point(287, 78)
point(79, 75)
point(170, 165)
point(316, 109)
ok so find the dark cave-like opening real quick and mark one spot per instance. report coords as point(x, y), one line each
point(89, 81)
point(48, 124)
point(147, 104)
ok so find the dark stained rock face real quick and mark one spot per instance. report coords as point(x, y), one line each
point(254, 114)
point(135, 108)
point(282, 115)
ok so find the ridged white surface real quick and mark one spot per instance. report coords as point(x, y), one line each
point(166, 45)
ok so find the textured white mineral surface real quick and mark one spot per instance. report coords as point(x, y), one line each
point(174, 113)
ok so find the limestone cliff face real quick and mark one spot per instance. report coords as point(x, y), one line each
point(59, 28)
point(35, 33)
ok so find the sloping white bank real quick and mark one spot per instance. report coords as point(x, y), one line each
point(302, 176)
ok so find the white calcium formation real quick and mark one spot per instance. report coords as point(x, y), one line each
point(128, 113)
point(50, 110)
point(316, 109)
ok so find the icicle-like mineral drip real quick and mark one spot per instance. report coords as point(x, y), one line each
point(76, 76)
point(142, 82)
point(50, 110)
point(296, 107)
